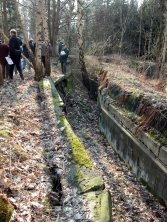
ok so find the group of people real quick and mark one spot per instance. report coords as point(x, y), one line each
point(14, 49)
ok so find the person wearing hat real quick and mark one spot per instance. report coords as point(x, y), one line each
point(59, 46)
point(4, 49)
point(63, 58)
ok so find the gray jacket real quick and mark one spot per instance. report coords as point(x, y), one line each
point(43, 48)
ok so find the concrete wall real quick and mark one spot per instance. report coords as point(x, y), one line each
point(146, 157)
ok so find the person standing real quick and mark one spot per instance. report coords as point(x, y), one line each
point(43, 52)
point(4, 51)
point(63, 58)
point(59, 46)
point(26, 54)
point(15, 53)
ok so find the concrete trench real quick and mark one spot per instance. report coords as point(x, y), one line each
point(141, 154)
point(85, 178)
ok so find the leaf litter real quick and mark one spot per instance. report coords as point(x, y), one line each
point(34, 157)
point(131, 201)
point(31, 123)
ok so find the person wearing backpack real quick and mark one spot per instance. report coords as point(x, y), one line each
point(15, 53)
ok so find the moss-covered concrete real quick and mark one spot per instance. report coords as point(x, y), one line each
point(81, 172)
point(6, 209)
point(99, 203)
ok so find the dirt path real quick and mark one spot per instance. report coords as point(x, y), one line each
point(131, 200)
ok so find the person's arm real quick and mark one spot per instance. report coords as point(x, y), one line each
point(11, 47)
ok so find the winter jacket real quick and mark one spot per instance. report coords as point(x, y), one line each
point(14, 44)
point(60, 47)
point(25, 50)
point(43, 48)
point(63, 58)
point(4, 51)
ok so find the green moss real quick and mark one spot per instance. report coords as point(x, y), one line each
point(4, 134)
point(162, 202)
point(46, 202)
point(79, 176)
point(20, 153)
point(70, 87)
point(44, 84)
point(155, 136)
point(57, 101)
point(6, 210)
point(164, 132)
point(79, 155)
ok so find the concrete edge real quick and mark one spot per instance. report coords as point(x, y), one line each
point(103, 205)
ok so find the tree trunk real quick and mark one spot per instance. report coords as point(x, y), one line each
point(24, 35)
point(140, 30)
point(39, 72)
point(46, 35)
point(164, 53)
point(161, 59)
point(69, 24)
point(160, 37)
point(55, 25)
point(4, 36)
point(5, 23)
point(80, 43)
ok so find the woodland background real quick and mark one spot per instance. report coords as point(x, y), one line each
point(106, 26)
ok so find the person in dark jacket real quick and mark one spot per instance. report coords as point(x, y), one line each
point(26, 54)
point(43, 52)
point(59, 46)
point(15, 53)
point(4, 51)
point(63, 58)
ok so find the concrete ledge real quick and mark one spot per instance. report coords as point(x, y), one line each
point(99, 203)
point(163, 155)
point(145, 157)
point(86, 179)
point(104, 206)
point(152, 145)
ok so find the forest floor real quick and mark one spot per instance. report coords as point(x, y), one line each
point(28, 129)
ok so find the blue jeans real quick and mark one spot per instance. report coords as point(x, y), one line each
point(17, 63)
point(24, 64)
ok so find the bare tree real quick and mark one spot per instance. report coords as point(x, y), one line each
point(4, 14)
point(46, 36)
point(80, 44)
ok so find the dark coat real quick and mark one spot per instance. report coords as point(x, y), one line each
point(25, 51)
point(4, 51)
point(63, 58)
point(31, 45)
point(60, 47)
point(14, 44)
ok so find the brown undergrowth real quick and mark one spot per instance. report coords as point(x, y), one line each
point(134, 87)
